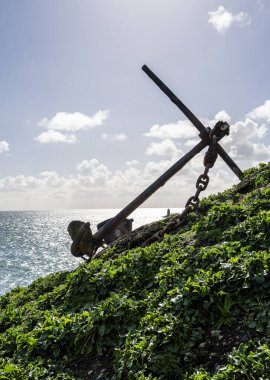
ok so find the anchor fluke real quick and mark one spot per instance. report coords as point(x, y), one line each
point(84, 243)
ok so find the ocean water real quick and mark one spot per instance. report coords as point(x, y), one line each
point(34, 244)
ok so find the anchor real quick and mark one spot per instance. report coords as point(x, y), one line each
point(84, 243)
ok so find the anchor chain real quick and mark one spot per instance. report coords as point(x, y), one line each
point(209, 161)
point(201, 184)
point(203, 179)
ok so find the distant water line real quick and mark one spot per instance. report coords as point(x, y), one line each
point(34, 244)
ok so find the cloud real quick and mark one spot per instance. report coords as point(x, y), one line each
point(222, 20)
point(56, 137)
point(19, 183)
point(63, 125)
point(220, 116)
point(182, 129)
point(261, 112)
point(116, 137)
point(4, 146)
point(191, 143)
point(132, 163)
point(73, 122)
point(51, 179)
point(243, 143)
point(93, 170)
point(253, 152)
point(120, 137)
point(94, 185)
point(164, 148)
point(154, 168)
point(247, 130)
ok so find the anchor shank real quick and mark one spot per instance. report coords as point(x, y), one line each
point(99, 235)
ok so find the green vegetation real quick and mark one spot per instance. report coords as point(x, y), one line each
point(193, 306)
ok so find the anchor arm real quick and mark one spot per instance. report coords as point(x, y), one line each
point(193, 119)
point(232, 165)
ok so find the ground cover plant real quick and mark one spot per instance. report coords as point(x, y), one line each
point(193, 306)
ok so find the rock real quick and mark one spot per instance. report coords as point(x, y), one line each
point(241, 187)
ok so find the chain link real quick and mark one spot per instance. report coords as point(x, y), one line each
point(201, 185)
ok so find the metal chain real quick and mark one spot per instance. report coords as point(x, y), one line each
point(203, 180)
point(201, 184)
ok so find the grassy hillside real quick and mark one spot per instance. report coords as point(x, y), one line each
point(193, 306)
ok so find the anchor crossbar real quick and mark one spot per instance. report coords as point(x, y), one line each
point(193, 119)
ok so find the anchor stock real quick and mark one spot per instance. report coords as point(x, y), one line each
point(193, 119)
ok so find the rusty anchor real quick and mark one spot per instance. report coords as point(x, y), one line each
point(84, 243)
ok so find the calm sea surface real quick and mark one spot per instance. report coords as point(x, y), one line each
point(36, 243)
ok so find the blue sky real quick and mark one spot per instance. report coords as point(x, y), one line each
point(82, 126)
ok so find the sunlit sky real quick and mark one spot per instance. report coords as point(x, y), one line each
point(82, 126)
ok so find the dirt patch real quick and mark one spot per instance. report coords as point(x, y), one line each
point(210, 353)
point(93, 368)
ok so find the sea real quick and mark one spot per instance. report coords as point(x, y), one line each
point(34, 244)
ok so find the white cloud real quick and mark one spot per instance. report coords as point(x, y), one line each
point(243, 142)
point(164, 148)
point(120, 137)
point(4, 146)
point(93, 169)
point(73, 122)
point(261, 112)
point(248, 151)
point(51, 178)
point(128, 176)
point(222, 20)
point(19, 183)
point(154, 168)
point(261, 152)
point(246, 130)
point(132, 163)
point(191, 143)
point(56, 137)
point(94, 185)
point(116, 137)
point(220, 116)
point(182, 129)
point(69, 122)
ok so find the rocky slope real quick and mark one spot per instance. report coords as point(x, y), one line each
point(194, 305)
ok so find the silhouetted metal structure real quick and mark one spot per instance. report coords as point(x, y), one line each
point(84, 243)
